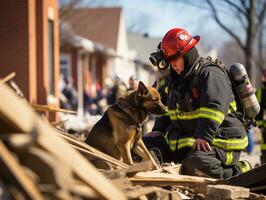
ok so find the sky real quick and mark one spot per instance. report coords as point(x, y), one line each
point(156, 17)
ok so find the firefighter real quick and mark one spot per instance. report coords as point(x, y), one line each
point(261, 96)
point(201, 129)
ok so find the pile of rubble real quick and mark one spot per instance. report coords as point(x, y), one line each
point(39, 161)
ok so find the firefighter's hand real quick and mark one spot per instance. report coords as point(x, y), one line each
point(202, 145)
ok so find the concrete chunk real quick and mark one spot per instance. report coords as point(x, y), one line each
point(223, 192)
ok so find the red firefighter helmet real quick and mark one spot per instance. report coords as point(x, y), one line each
point(177, 42)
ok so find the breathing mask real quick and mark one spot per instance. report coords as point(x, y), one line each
point(158, 59)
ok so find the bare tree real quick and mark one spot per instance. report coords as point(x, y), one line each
point(250, 16)
point(66, 7)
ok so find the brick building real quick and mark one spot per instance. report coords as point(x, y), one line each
point(29, 46)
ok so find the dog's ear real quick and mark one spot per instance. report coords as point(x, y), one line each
point(154, 85)
point(142, 90)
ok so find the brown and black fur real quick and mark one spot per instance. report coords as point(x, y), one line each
point(119, 130)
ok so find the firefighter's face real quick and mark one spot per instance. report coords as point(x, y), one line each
point(178, 65)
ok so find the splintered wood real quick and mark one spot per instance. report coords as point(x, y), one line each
point(38, 161)
point(16, 113)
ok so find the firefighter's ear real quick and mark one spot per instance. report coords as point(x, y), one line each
point(142, 89)
point(154, 85)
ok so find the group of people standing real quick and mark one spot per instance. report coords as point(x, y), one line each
point(92, 103)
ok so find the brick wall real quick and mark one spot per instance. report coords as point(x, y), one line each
point(24, 45)
point(17, 49)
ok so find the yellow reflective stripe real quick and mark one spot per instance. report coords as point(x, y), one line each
point(166, 90)
point(231, 144)
point(260, 123)
point(176, 114)
point(162, 82)
point(185, 142)
point(172, 144)
point(263, 147)
point(229, 157)
point(258, 94)
point(172, 114)
point(233, 104)
point(168, 111)
point(233, 107)
point(188, 115)
point(244, 166)
point(166, 137)
point(173, 117)
point(211, 114)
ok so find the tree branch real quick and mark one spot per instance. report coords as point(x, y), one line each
point(243, 2)
point(215, 15)
point(242, 22)
point(239, 9)
point(261, 15)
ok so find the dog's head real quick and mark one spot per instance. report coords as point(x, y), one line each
point(150, 99)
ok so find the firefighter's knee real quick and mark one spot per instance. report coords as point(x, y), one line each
point(191, 165)
point(201, 163)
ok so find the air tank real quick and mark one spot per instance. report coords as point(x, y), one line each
point(245, 90)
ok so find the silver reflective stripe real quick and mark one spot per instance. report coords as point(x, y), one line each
point(244, 166)
point(166, 137)
point(172, 144)
point(229, 157)
point(212, 114)
point(185, 142)
point(203, 112)
point(231, 144)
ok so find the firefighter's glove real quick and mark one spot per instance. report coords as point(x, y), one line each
point(201, 145)
point(154, 134)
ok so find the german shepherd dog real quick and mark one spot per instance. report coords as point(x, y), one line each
point(119, 130)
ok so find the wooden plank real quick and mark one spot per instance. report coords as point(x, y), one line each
point(254, 196)
point(141, 191)
point(92, 151)
point(91, 155)
point(8, 77)
point(16, 169)
point(48, 108)
point(17, 113)
point(130, 171)
point(83, 190)
point(163, 179)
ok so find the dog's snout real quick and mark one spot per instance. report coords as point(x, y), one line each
point(159, 109)
point(164, 109)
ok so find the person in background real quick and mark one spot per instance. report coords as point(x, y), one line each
point(118, 88)
point(133, 83)
point(250, 134)
point(261, 96)
point(70, 92)
point(64, 102)
point(201, 129)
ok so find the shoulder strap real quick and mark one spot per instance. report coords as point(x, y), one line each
point(204, 62)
